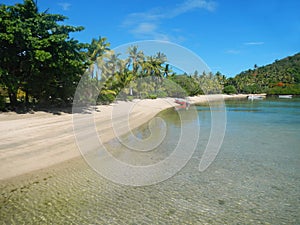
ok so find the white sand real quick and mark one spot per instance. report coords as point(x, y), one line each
point(34, 141)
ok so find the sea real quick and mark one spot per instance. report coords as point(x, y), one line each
point(254, 178)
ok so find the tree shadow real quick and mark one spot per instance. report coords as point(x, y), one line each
point(55, 110)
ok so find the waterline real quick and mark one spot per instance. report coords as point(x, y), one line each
point(254, 179)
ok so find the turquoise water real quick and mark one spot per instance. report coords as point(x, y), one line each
point(255, 179)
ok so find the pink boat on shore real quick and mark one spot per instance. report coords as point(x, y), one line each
point(183, 104)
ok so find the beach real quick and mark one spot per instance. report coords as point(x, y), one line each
point(38, 140)
point(249, 182)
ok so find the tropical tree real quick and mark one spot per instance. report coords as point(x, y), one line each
point(284, 72)
point(137, 75)
point(37, 55)
point(230, 89)
point(189, 84)
point(209, 83)
point(135, 59)
point(96, 50)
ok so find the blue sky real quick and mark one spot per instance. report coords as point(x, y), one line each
point(229, 35)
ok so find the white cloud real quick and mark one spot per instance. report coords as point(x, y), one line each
point(232, 51)
point(147, 23)
point(148, 30)
point(145, 28)
point(254, 43)
point(190, 5)
point(65, 5)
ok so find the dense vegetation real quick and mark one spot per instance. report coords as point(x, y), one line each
point(41, 65)
point(280, 77)
point(39, 62)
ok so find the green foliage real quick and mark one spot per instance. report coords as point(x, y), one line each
point(2, 103)
point(230, 89)
point(152, 96)
point(188, 84)
point(106, 98)
point(208, 83)
point(261, 79)
point(171, 89)
point(37, 56)
point(138, 76)
point(297, 77)
point(42, 55)
point(290, 89)
point(252, 89)
point(97, 48)
point(162, 94)
point(129, 98)
point(39, 60)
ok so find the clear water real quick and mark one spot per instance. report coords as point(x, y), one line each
point(255, 179)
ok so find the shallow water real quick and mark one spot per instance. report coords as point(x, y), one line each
point(255, 179)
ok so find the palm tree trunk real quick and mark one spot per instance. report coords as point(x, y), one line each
point(13, 98)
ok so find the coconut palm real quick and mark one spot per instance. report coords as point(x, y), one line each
point(161, 57)
point(113, 63)
point(97, 48)
point(135, 60)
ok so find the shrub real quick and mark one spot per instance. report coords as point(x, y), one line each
point(152, 96)
point(292, 89)
point(230, 89)
point(2, 102)
point(188, 84)
point(129, 98)
point(106, 98)
point(162, 94)
point(173, 89)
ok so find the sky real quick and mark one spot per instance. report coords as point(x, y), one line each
point(230, 36)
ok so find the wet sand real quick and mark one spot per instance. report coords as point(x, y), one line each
point(39, 140)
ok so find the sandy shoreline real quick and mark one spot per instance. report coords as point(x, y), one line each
point(31, 142)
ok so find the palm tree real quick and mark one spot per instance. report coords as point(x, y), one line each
point(136, 58)
point(102, 66)
point(161, 57)
point(113, 63)
point(167, 70)
point(97, 48)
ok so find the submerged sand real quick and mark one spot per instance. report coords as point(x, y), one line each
point(34, 141)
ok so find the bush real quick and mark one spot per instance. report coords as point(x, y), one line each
point(2, 103)
point(152, 96)
point(162, 94)
point(129, 98)
point(188, 84)
point(252, 89)
point(173, 89)
point(291, 89)
point(230, 89)
point(106, 98)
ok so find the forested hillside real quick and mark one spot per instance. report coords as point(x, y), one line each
point(41, 65)
point(280, 77)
